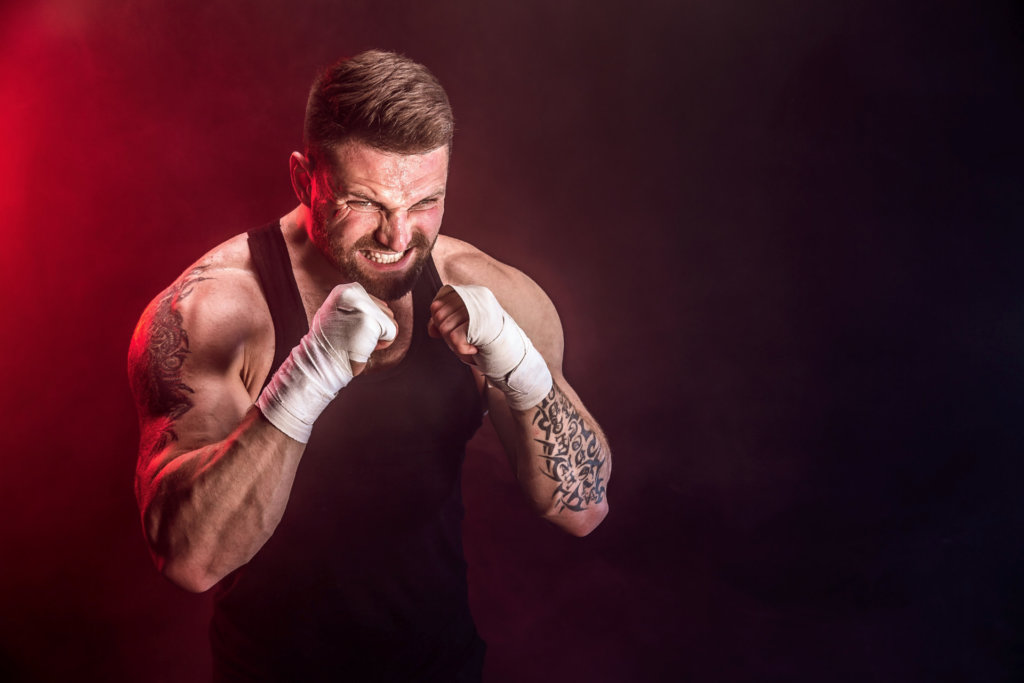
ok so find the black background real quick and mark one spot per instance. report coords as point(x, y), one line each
point(783, 239)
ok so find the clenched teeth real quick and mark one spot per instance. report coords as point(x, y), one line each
point(382, 257)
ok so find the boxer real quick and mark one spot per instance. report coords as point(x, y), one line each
point(306, 391)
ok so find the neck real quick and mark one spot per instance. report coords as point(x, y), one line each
point(306, 255)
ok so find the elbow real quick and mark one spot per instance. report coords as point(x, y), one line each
point(177, 558)
point(590, 521)
point(189, 575)
point(580, 523)
point(184, 563)
point(177, 553)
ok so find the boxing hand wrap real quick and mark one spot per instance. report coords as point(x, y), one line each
point(505, 355)
point(346, 328)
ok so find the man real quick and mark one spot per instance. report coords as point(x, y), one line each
point(306, 391)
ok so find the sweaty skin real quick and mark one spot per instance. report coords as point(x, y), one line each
point(214, 476)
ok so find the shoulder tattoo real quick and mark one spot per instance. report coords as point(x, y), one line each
point(157, 381)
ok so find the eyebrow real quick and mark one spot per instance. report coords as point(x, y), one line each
point(363, 196)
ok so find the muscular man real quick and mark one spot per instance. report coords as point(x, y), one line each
point(306, 392)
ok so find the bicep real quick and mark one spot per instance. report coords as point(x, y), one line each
point(185, 368)
point(191, 410)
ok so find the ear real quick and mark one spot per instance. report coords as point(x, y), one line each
point(302, 178)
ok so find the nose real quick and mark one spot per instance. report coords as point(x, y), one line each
point(395, 230)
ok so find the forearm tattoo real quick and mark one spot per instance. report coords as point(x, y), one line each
point(572, 454)
point(159, 387)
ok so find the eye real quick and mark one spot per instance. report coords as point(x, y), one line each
point(362, 205)
point(424, 205)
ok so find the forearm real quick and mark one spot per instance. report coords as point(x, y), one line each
point(558, 453)
point(562, 461)
point(208, 511)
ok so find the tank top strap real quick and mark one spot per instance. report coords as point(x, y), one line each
point(433, 277)
point(274, 269)
point(423, 292)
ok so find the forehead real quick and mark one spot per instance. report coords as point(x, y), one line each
point(357, 167)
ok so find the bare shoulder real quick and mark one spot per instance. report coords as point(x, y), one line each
point(212, 320)
point(460, 263)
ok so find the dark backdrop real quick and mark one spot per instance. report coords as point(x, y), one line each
point(783, 237)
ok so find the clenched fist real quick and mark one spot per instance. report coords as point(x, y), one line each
point(346, 329)
point(478, 330)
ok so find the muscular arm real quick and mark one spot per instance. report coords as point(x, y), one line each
point(559, 456)
point(213, 476)
point(557, 451)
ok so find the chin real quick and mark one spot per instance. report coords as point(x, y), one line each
point(393, 286)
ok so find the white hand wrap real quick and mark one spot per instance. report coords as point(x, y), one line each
point(346, 328)
point(505, 354)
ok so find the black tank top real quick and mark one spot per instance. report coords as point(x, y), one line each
point(364, 579)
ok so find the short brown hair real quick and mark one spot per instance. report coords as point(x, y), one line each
point(379, 98)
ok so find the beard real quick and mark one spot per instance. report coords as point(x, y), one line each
point(385, 286)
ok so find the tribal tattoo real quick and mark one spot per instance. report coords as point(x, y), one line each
point(159, 386)
point(572, 453)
